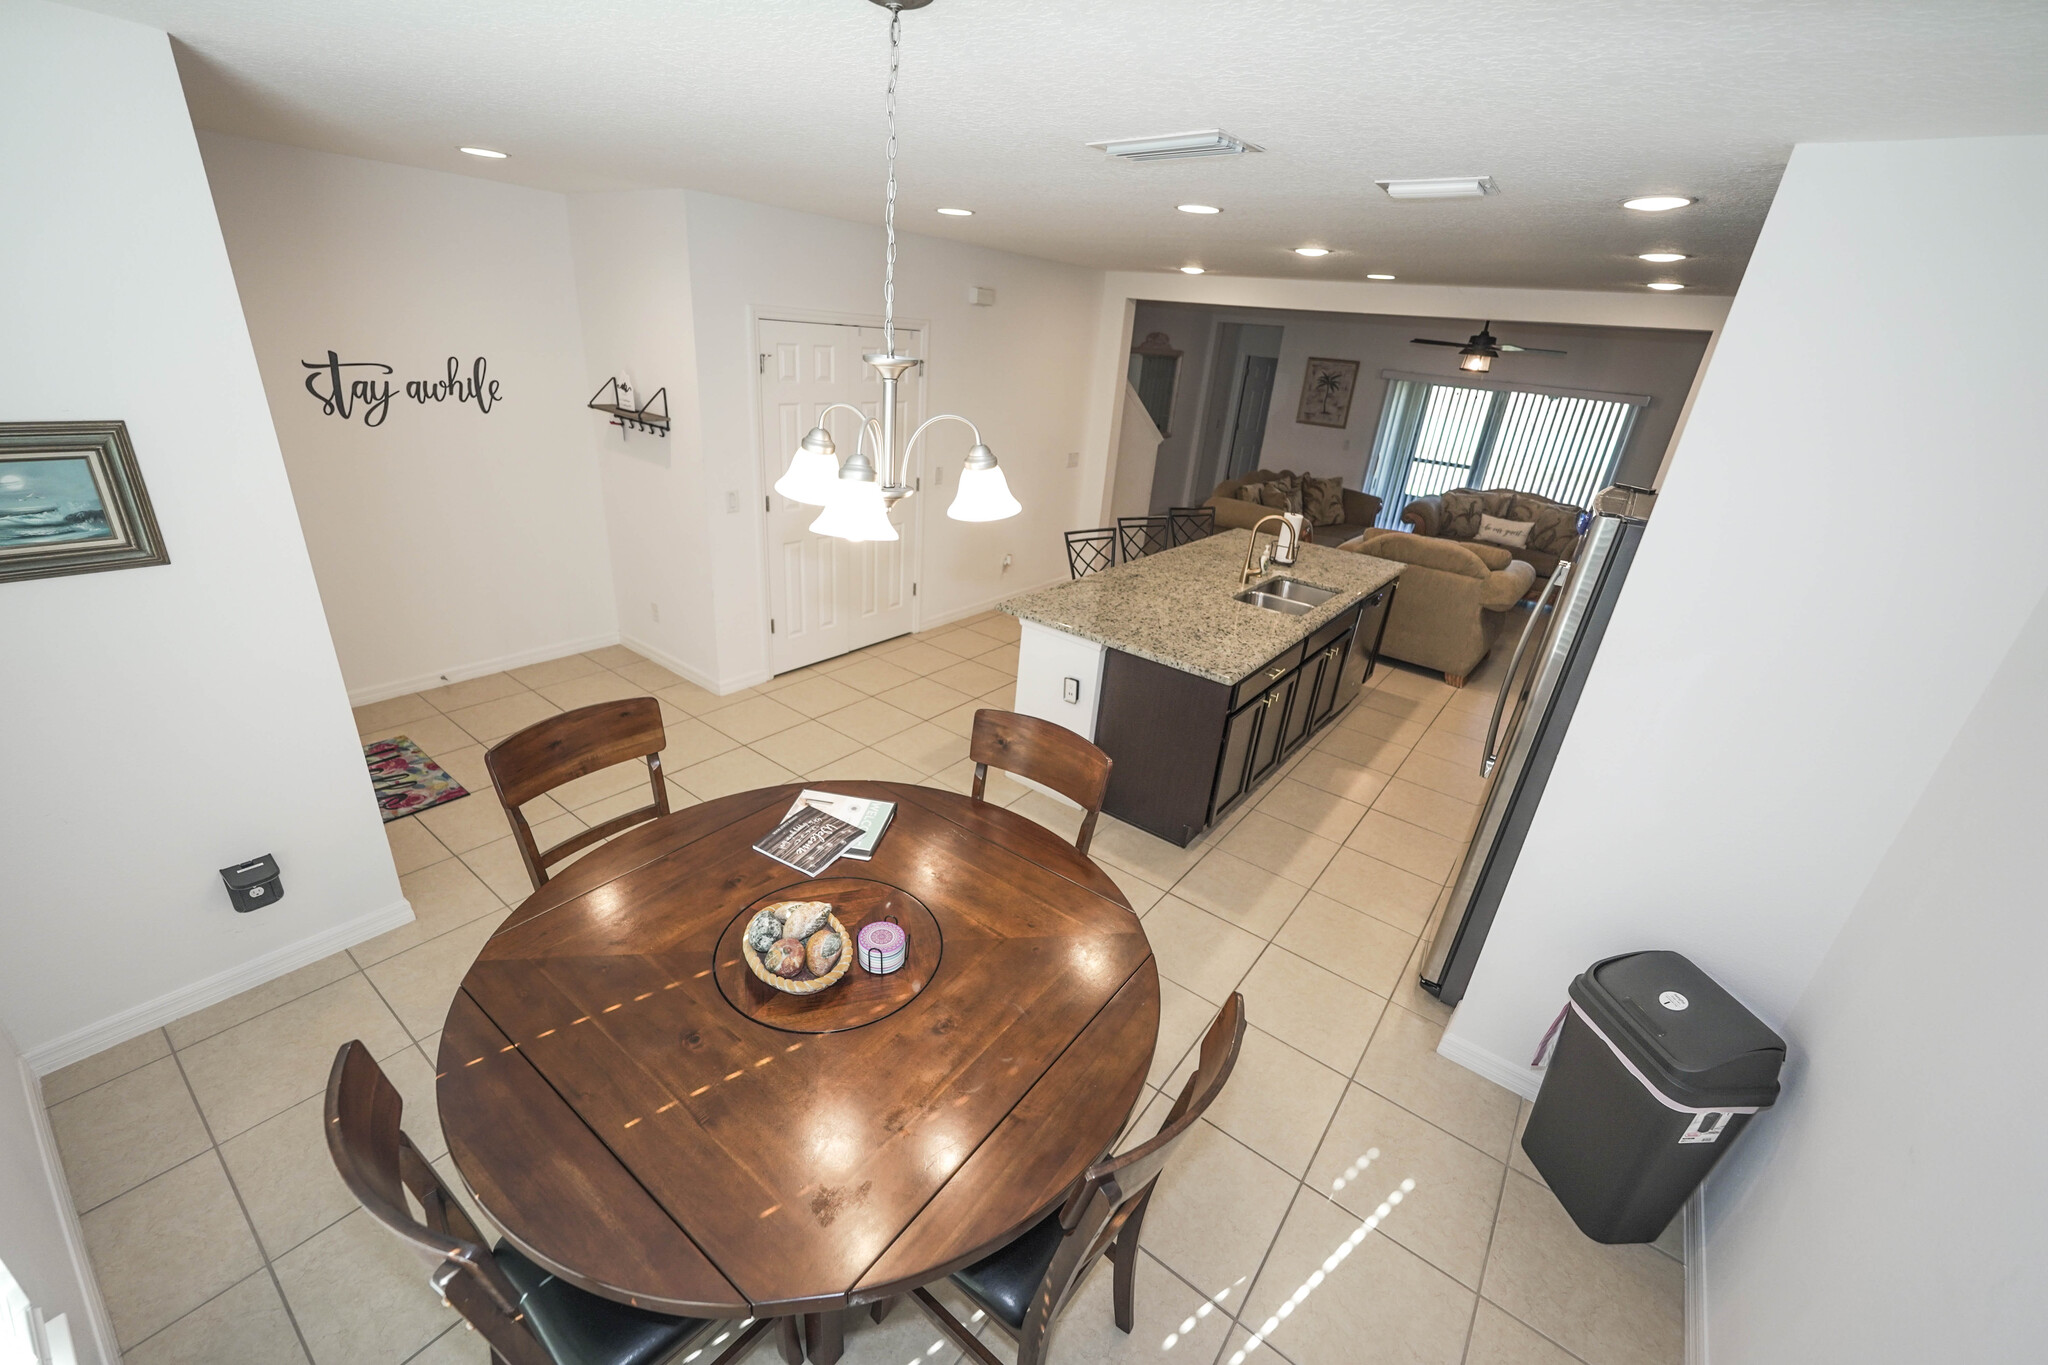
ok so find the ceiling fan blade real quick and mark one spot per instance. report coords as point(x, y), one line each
point(1425, 341)
point(1532, 350)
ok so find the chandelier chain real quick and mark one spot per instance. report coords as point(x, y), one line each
point(889, 205)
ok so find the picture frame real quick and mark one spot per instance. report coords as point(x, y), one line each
point(72, 500)
point(1327, 387)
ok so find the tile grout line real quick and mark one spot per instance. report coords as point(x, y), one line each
point(235, 1188)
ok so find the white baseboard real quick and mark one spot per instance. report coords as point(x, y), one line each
point(363, 696)
point(689, 672)
point(97, 1324)
point(1696, 1278)
point(1522, 1079)
point(946, 618)
point(79, 1044)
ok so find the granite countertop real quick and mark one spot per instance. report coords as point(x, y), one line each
point(1176, 607)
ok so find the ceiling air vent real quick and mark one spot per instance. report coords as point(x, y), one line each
point(1177, 146)
point(1447, 187)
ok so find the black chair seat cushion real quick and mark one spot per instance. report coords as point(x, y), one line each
point(1004, 1281)
point(579, 1328)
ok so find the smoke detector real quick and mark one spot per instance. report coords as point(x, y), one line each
point(1177, 146)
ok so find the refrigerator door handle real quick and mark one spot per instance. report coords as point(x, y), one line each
point(1500, 703)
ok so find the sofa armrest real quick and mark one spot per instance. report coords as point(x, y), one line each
point(1502, 590)
point(1426, 552)
point(1425, 515)
point(1235, 514)
point(1360, 509)
point(1495, 557)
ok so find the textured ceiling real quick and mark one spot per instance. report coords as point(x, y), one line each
point(1571, 107)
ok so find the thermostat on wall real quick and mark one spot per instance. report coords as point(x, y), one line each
point(254, 884)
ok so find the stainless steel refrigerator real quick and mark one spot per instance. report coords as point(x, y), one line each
point(1541, 690)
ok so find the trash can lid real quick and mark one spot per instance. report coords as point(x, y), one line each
point(1693, 1040)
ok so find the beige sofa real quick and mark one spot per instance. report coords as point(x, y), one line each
point(1234, 513)
point(1453, 600)
point(1454, 515)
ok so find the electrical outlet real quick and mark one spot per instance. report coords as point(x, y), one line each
point(1073, 459)
point(654, 610)
point(732, 501)
point(1070, 690)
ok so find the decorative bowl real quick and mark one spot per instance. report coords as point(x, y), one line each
point(805, 984)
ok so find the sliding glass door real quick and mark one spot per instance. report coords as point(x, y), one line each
point(1438, 436)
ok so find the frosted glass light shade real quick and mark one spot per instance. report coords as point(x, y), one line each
point(856, 511)
point(1478, 362)
point(813, 474)
point(984, 494)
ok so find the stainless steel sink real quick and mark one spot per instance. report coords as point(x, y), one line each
point(1290, 595)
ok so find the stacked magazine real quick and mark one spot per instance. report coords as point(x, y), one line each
point(824, 826)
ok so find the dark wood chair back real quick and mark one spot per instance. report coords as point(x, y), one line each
point(1190, 523)
point(1046, 753)
point(379, 1164)
point(1137, 537)
point(1105, 1213)
point(1091, 551)
point(536, 760)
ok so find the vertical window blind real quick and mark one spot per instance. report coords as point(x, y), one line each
point(1438, 436)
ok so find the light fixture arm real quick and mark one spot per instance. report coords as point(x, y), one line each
point(869, 429)
point(911, 444)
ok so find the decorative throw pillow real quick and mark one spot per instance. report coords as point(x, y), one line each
point(1462, 509)
point(1322, 500)
point(1499, 531)
point(1279, 496)
point(1249, 492)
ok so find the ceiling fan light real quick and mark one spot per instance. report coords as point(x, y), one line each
point(984, 494)
point(1474, 360)
point(813, 474)
point(857, 511)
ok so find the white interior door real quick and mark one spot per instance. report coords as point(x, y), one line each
point(827, 596)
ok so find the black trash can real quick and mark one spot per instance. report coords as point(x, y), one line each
point(1657, 1071)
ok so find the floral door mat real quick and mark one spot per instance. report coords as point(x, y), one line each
point(407, 781)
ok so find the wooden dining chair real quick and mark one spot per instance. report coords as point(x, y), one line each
point(1185, 524)
point(1137, 537)
point(526, 1315)
point(1091, 551)
point(548, 753)
point(1025, 1285)
point(1046, 753)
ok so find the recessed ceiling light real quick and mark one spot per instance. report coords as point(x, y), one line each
point(958, 213)
point(1450, 187)
point(1379, 277)
point(1665, 286)
point(1656, 203)
point(484, 152)
point(1662, 257)
point(1198, 208)
point(1311, 251)
point(1191, 270)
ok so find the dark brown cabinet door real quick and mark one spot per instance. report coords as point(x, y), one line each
point(1301, 708)
point(1329, 676)
point(1233, 771)
point(1268, 750)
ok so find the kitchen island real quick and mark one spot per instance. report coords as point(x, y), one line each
point(1197, 694)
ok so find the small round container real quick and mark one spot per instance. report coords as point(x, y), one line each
point(882, 947)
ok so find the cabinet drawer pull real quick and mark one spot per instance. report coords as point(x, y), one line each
point(1276, 672)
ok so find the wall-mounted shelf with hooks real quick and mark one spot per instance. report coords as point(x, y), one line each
point(616, 400)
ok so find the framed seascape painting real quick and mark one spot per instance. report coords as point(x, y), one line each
point(1326, 388)
point(72, 501)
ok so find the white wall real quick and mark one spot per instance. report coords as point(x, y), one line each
point(1122, 289)
point(1019, 370)
point(1193, 333)
point(448, 542)
point(164, 722)
point(1889, 1209)
point(1780, 679)
point(1137, 450)
point(41, 1244)
point(633, 289)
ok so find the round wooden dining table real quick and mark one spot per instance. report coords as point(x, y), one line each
point(641, 1117)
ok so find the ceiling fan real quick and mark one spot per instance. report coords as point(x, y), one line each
point(1479, 353)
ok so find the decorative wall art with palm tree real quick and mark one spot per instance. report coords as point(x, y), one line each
point(1326, 389)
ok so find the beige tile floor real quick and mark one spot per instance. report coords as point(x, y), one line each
point(221, 1234)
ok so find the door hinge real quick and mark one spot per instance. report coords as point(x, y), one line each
point(913, 589)
point(771, 625)
point(764, 363)
point(767, 506)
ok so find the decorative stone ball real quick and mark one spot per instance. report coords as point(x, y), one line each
point(765, 929)
point(822, 951)
point(801, 919)
point(785, 957)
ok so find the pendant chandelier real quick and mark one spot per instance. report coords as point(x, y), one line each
point(856, 495)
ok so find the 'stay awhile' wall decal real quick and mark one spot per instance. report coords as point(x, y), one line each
point(362, 392)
